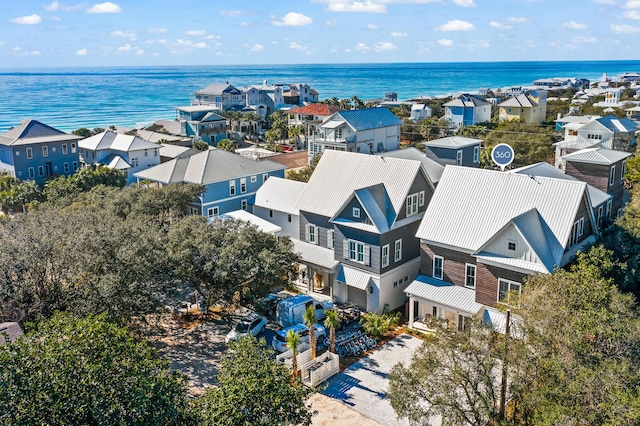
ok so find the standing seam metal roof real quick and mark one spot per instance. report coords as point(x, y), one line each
point(369, 118)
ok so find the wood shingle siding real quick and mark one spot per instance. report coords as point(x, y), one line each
point(487, 282)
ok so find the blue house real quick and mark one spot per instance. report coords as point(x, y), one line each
point(202, 122)
point(467, 110)
point(35, 151)
point(231, 180)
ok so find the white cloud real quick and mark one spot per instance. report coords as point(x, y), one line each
point(246, 24)
point(157, 30)
point(373, 27)
point(609, 2)
point(397, 34)
point(384, 46)
point(131, 35)
point(331, 24)
point(52, 7)
point(362, 47)
point(583, 39)
point(82, 52)
point(366, 6)
point(233, 13)
point(213, 37)
point(298, 46)
point(140, 52)
point(126, 48)
point(56, 18)
point(445, 42)
point(1, 42)
point(35, 53)
point(200, 45)
point(518, 20)
point(255, 47)
point(498, 25)
point(195, 32)
point(28, 20)
point(624, 29)
point(573, 25)
point(106, 7)
point(456, 25)
point(632, 14)
point(464, 3)
point(632, 4)
point(292, 19)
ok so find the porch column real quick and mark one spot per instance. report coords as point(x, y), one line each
point(411, 313)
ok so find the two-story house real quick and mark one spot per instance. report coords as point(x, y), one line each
point(454, 150)
point(300, 94)
point(529, 108)
point(467, 110)
point(276, 201)
point(311, 116)
point(35, 151)
point(130, 154)
point(485, 231)
point(201, 122)
point(223, 96)
point(367, 131)
point(362, 213)
point(231, 181)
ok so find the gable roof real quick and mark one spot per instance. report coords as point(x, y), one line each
point(496, 199)
point(338, 174)
point(432, 168)
point(114, 161)
point(466, 100)
point(612, 123)
point(519, 101)
point(32, 131)
point(116, 142)
point(316, 109)
point(218, 89)
point(597, 156)
point(453, 142)
point(375, 202)
point(280, 194)
point(368, 118)
point(213, 165)
point(446, 294)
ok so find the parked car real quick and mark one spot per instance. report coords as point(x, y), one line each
point(253, 323)
point(279, 342)
point(269, 303)
point(290, 311)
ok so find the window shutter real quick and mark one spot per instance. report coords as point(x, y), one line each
point(345, 248)
point(306, 232)
point(367, 255)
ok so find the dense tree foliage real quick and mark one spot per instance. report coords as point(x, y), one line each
point(86, 371)
point(226, 145)
point(304, 174)
point(253, 389)
point(203, 146)
point(17, 195)
point(531, 143)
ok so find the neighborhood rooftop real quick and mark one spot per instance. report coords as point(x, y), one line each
point(453, 142)
point(33, 131)
point(369, 118)
point(280, 194)
point(597, 156)
point(115, 141)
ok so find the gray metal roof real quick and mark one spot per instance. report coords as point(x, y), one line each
point(453, 142)
point(446, 294)
point(32, 131)
point(314, 254)
point(214, 165)
point(12, 331)
point(368, 118)
point(114, 161)
point(115, 141)
point(519, 101)
point(339, 174)
point(597, 156)
point(218, 89)
point(280, 194)
point(612, 123)
point(353, 277)
point(472, 205)
point(375, 202)
point(467, 100)
point(244, 215)
point(431, 167)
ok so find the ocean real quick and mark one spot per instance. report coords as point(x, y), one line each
point(70, 98)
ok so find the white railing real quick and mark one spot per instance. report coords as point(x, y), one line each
point(304, 355)
point(319, 370)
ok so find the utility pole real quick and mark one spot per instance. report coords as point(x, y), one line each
point(503, 387)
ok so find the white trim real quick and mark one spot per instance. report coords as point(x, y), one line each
point(330, 238)
point(612, 175)
point(421, 199)
point(459, 157)
point(213, 211)
point(355, 212)
point(382, 256)
point(411, 205)
point(243, 182)
point(433, 272)
point(475, 274)
point(476, 154)
point(509, 290)
point(397, 248)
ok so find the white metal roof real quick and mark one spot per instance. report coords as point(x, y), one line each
point(453, 142)
point(340, 173)
point(317, 255)
point(262, 224)
point(280, 194)
point(431, 167)
point(446, 294)
point(116, 142)
point(597, 156)
point(353, 277)
point(471, 205)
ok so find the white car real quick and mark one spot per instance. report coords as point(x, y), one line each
point(253, 323)
point(279, 342)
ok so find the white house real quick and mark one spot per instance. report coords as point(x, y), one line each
point(467, 110)
point(276, 201)
point(420, 112)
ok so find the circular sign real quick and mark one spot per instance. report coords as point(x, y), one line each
point(502, 154)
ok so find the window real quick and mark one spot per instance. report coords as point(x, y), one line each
point(623, 170)
point(66, 167)
point(213, 211)
point(243, 204)
point(476, 154)
point(64, 148)
point(29, 153)
point(289, 218)
point(254, 179)
point(511, 245)
point(470, 275)
point(243, 185)
point(600, 215)
point(438, 264)
point(193, 211)
point(73, 148)
point(612, 175)
point(134, 162)
point(331, 239)
point(232, 187)
point(356, 212)
point(412, 204)
point(421, 198)
point(270, 213)
point(75, 166)
point(358, 252)
point(385, 255)
point(508, 290)
point(155, 152)
point(397, 250)
point(40, 171)
point(32, 173)
point(146, 152)
point(45, 151)
point(265, 176)
point(312, 234)
point(609, 202)
point(577, 231)
point(459, 157)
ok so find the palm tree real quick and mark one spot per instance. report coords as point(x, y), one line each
point(309, 319)
point(332, 321)
point(293, 341)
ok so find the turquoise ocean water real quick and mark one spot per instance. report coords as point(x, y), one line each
point(69, 98)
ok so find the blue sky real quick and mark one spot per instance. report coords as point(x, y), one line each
point(160, 32)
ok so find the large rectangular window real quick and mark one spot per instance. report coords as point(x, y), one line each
point(73, 148)
point(331, 239)
point(66, 167)
point(577, 231)
point(397, 250)
point(32, 173)
point(29, 153)
point(358, 252)
point(459, 157)
point(508, 291)
point(64, 148)
point(213, 211)
point(470, 276)
point(412, 204)
point(243, 185)
point(385, 255)
point(232, 187)
point(312, 234)
point(438, 267)
point(623, 169)
point(421, 198)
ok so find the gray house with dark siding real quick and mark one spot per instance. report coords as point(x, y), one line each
point(454, 150)
point(366, 210)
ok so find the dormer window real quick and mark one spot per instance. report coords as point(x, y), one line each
point(511, 245)
point(356, 213)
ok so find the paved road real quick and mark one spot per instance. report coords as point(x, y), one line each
point(363, 386)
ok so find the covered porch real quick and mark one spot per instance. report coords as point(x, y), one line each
point(317, 271)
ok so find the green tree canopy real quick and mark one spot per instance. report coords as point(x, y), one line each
point(304, 174)
point(203, 146)
point(86, 371)
point(531, 143)
point(83, 180)
point(226, 145)
point(253, 389)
